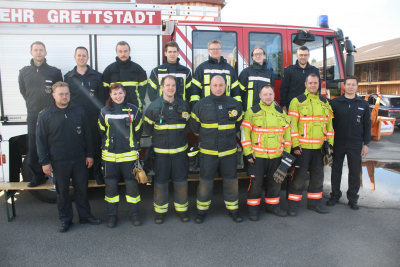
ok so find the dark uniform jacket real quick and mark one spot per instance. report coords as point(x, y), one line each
point(63, 134)
point(206, 71)
point(131, 75)
point(120, 128)
point(86, 90)
point(293, 81)
point(251, 80)
point(352, 123)
point(35, 85)
point(183, 80)
point(216, 120)
point(167, 124)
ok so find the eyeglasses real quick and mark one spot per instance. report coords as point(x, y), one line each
point(258, 54)
point(215, 49)
point(304, 55)
point(62, 95)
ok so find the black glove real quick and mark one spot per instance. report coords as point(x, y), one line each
point(194, 160)
point(296, 148)
point(148, 163)
point(286, 163)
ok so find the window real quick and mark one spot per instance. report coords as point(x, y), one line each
point(316, 53)
point(272, 44)
point(332, 65)
point(200, 48)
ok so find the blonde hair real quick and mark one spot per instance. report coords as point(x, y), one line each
point(215, 41)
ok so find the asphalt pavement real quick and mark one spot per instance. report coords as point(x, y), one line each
point(343, 237)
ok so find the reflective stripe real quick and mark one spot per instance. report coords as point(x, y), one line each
point(235, 84)
point(258, 78)
point(162, 69)
point(272, 200)
point(161, 209)
point(267, 150)
point(206, 90)
point(193, 115)
point(315, 141)
point(249, 99)
point(193, 153)
point(107, 133)
point(134, 200)
point(209, 125)
point(207, 79)
point(181, 207)
point(305, 130)
point(288, 143)
point(169, 126)
point(250, 85)
point(106, 84)
point(294, 134)
point(268, 130)
point(137, 128)
point(294, 197)
point(188, 85)
point(127, 83)
point(242, 87)
point(313, 119)
point(152, 84)
point(194, 98)
point(116, 116)
point(314, 195)
point(220, 154)
point(232, 205)
point(213, 71)
point(197, 83)
point(170, 151)
point(238, 98)
point(240, 117)
point(101, 126)
point(120, 157)
point(179, 75)
point(228, 85)
point(254, 202)
point(143, 83)
point(246, 124)
point(112, 199)
point(184, 91)
point(203, 205)
point(246, 143)
point(220, 127)
point(329, 133)
point(148, 120)
point(293, 113)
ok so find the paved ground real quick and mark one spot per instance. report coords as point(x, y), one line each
point(368, 237)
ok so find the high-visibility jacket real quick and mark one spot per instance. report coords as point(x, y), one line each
point(183, 80)
point(251, 80)
point(131, 75)
point(266, 131)
point(311, 121)
point(216, 120)
point(120, 128)
point(167, 125)
point(206, 71)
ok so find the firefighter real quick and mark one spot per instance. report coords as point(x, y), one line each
point(352, 124)
point(311, 117)
point(294, 77)
point(35, 82)
point(166, 122)
point(87, 91)
point(216, 119)
point(65, 148)
point(183, 76)
point(120, 126)
point(215, 65)
point(265, 136)
point(128, 73)
point(254, 77)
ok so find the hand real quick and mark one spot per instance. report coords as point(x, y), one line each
point(298, 151)
point(331, 151)
point(364, 151)
point(252, 160)
point(285, 109)
point(47, 169)
point(89, 162)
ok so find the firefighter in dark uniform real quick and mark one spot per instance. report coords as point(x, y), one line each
point(352, 124)
point(128, 73)
point(311, 125)
point(253, 78)
point(35, 83)
point(65, 150)
point(215, 65)
point(120, 126)
point(87, 91)
point(216, 119)
point(265, 136)
point(294, 77)
point(166, 122)
point(183, 76)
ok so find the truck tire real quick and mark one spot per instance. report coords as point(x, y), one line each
point(49, 196)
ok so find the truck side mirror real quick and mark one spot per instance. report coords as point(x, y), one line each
point(303, 37)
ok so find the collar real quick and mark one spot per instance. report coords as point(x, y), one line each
point(123, 63)
point(312, 96)
point(343, 98)
point(165, 102)
point(42, 65)
point(298, 65)
point(167, 64)
point(215, 98)
point(257, 66)
point(267, 108)
point(75, 73)
point(53, 107)
point(212, 60)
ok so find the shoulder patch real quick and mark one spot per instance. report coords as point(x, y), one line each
point(279, 109)
point(256, 108)
point(323, 99)
point(301, 98)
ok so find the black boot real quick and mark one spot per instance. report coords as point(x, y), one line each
point(35, 183)
point(135, 220)
point(112, 221)
point(160, 218)
point(253, 215)
point(292, 211)
point(199, 218)
point(276, 211)
point(99, 180)
point(184, 217)
point(235, 216)
point(64, 227)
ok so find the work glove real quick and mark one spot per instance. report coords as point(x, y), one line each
point(148, 163)
point(194, 159)
point(326, 152)
point(286, 162)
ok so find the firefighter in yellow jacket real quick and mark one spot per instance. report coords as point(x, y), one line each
point(266, 142)
point(311, 126)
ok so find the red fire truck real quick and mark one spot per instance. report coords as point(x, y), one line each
point(64, 25)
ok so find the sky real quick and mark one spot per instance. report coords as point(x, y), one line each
point(365, 22)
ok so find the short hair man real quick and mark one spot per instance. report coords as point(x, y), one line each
point(263, 150)
point(216, 119)
point(171, 67)
point(35, 83)
point(311, 125)
point(215, 65)
point(166, 122)
point(65, 148)
point(294, 77)
point(130, 74)
point(87, 91)
point(352, 124)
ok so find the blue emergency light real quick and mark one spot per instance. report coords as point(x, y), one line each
point(323, 21)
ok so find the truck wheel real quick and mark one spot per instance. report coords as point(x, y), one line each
point(49, 196)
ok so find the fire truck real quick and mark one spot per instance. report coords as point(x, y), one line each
point(64, 25)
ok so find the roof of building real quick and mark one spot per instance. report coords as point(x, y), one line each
point(376, 51)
